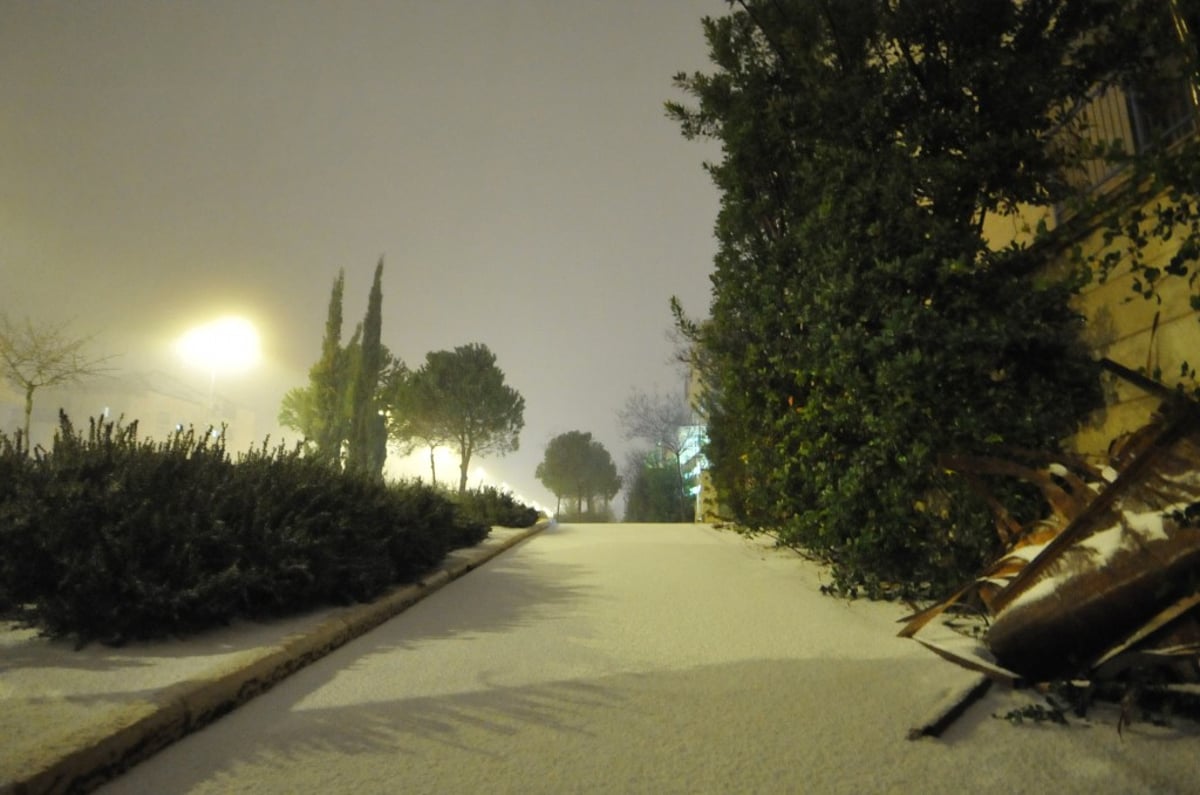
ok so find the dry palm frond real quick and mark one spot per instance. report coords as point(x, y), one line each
point(1111, 578)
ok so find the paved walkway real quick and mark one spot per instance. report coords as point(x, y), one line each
point(653, 659)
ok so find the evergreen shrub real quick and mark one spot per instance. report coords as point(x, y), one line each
point(109, 537)
point(490, 506)
point(865, 326)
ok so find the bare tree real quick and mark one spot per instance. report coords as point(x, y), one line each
point(35, 356)
point(663, 420)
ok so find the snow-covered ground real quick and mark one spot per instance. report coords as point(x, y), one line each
point(646, 658)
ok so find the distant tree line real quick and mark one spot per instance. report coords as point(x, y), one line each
point(579, 468)
point(659, 480)
point(360, 397)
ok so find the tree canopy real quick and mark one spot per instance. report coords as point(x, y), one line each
point(654, 492)
point(413, 419)
point(368, 431)
point(860, 324)
point(665, 421)
point(464, 400)
point(338, 411)
point(321, 410)
point(578, 467)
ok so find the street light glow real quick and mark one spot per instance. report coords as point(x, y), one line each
point(227, 345)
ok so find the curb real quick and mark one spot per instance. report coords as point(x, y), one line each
point(951, 708)
point(185, 707)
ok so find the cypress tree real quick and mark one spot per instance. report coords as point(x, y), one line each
point(368, 439)
point(327, 377)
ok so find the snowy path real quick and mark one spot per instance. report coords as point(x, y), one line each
point(644, 658)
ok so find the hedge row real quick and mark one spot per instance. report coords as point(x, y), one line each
point(493, 507)
point(107, 537)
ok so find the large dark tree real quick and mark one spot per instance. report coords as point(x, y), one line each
point(860, 325)
point(368, 430)
point(476, 410)
point(329, 377)
point(322, 410)
point(339, 410)
point(578, 467)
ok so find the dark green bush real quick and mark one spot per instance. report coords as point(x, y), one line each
point(490, 506)
point(111, 538)
point(863, 325)
point(17, 514)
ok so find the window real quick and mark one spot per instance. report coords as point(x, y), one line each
point(1157, 111)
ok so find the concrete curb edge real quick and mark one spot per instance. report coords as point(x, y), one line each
point(951, 708)
point(186, 707)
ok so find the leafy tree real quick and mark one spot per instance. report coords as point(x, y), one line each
point(654, 493)
point(412, 410)
point(299, 411)
point(475, 410)
point(324, 410)
point(665, 421)
point(36, 356)
point(860, 325)
point(329, 379)
point(368, 431)
point(579, 467)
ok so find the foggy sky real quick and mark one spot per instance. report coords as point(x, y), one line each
point(162, 164)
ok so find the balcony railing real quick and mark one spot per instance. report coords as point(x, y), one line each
point(1131, 122)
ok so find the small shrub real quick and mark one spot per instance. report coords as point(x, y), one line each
point(1035, 713)
point(489, 506)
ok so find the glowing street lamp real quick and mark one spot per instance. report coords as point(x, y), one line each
point(228, 345)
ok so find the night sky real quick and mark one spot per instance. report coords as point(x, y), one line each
point(163, 164)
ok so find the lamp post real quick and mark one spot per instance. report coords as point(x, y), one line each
point(228, 344)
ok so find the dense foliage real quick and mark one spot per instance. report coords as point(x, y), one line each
point(338, 411)
point(109, 537)
point(458, 397)
point(655, 493)
point(360, 397)
point(860, 326)
point(413, 417)
point(492, 507)
point(322, 410)
point(367, 450)
point(667, 422)
point(580, 468)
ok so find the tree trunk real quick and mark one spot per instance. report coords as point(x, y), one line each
point(28, 412)
point(432, 468)
point(462, 473)
point(679, 488)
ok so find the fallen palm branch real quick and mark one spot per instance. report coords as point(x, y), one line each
point(1109, 581)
